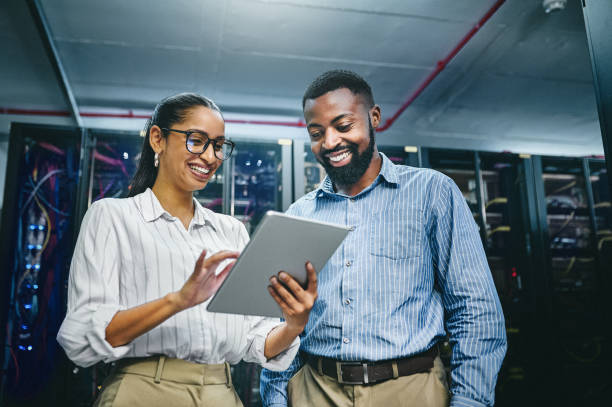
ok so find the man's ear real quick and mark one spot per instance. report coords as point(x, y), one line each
point(375, 115)
point(156, 139)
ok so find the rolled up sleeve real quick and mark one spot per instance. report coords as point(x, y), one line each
point(93, 292)
point(256, 340)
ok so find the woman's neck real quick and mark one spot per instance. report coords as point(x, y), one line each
point(176, 202)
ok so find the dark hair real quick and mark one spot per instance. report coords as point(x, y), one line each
point(169, 111)
point(337, 79)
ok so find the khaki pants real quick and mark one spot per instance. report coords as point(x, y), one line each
point(309, 388)
point(161, 381)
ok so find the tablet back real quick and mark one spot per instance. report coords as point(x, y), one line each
point(280, 243)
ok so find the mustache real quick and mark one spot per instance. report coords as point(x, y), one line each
point(352, 148)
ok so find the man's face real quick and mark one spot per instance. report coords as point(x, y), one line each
point(341, 134)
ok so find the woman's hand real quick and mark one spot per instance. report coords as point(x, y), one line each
point(295, 301)
point(203, 282)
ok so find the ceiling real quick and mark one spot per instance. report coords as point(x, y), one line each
point(523, 83)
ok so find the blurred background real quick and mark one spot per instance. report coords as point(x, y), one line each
point(499, 95)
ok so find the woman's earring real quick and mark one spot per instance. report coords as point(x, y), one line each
point(156, 160)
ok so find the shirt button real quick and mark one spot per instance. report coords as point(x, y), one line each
point(348, 263)
point(346, 340)
point(347, 301)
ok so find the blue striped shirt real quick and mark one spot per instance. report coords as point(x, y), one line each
point(412, 269)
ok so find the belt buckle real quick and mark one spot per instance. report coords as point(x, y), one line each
point(364, 380)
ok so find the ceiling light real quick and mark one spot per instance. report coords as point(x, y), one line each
point(553, 5)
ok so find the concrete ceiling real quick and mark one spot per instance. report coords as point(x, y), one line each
point(522, 84)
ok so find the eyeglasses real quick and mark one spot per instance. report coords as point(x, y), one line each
point(197, 142)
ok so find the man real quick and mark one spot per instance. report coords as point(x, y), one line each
point(411, 270)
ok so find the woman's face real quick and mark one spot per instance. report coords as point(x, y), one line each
point(188, 171)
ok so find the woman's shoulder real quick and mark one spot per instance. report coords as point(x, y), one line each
point(111, 206)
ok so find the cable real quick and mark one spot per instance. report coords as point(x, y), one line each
point(567, 222)
point(602, 241)
point(563, 188)
point(569, 266)
point(44, 200)
point(498, 229)
point(605, 204)
point(46, 177)
point(16, 364)
point(581, 359)
point(44, 246)
point(499, 200)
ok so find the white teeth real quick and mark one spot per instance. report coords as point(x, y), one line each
point(200, 169)
point(338, 157)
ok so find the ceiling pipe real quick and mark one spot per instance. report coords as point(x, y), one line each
point(299, 123)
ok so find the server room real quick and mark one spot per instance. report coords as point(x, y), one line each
point(463, 145)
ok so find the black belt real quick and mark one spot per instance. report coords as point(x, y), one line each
point(372, 372)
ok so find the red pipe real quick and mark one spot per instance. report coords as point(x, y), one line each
point(33, 112)
point(439, 68)
point(441, 65)
point(299, 123)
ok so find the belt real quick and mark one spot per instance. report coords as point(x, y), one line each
point(177, 370)
point(372, 372)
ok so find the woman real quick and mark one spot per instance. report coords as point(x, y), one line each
point(134, 294)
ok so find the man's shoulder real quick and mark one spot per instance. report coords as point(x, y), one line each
point(407, 173)
point(301, 205)
point(307, 199)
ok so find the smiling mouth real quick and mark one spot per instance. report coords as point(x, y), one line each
point(199, 170)
point(339, 157)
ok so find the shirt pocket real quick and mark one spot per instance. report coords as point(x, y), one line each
point(397, 233)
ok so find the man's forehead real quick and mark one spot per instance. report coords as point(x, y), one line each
point(340, 101)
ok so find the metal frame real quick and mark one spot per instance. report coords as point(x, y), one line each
point(40, 21)
point(597, 17)
point(480, 199)
point(298, 169)
point(286, 175)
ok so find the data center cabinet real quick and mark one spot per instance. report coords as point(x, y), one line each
point(576, 234)
point(38, 220)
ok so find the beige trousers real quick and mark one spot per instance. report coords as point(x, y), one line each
point(161, 381)
point(309, 388)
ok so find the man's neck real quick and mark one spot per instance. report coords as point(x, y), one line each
point(366, 179)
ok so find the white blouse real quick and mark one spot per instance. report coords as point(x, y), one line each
point(131, 251)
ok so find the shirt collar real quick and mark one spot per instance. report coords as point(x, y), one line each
point(387, 173)
point(151, 209)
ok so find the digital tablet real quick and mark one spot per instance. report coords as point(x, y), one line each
point(280, 243)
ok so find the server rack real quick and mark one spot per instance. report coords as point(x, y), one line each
point(570, 227)
point(40, 204)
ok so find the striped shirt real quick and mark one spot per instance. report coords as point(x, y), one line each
point(131, 251)
point(413, 265)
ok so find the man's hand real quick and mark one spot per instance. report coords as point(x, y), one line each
point(295, 301)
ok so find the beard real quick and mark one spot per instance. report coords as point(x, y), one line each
point(350, 173)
